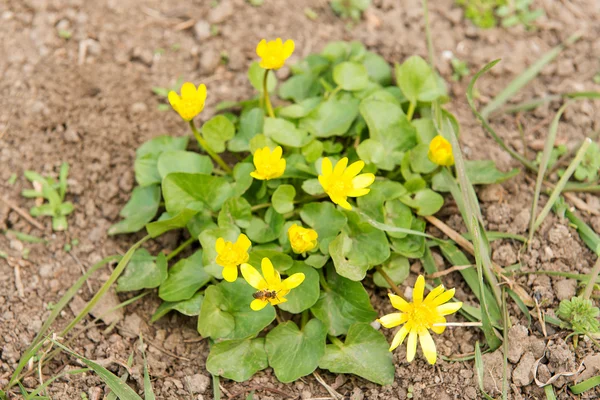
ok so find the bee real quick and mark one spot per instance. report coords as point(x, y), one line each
point(265, 295)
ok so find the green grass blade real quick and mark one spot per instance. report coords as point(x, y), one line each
point(562, 182)
point(526, 76)
point(429, 265)
point(390, 228)
point(62, 303)
point(548, 146)
point(49, 381)
point(148, 391)
point(112, 395)
point(487, 126)
point(216, 387)
point(121, 389)
point(505, 318)
point(587, 234)
point(479, 367)
point(521, 305)
point(493, 235)
point(586, 385)
point(549, 391)
point(25, 237)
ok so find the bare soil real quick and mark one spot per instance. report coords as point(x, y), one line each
point(87, 100)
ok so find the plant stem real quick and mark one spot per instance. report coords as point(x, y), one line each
point(411, 110)
point(204, 144)
point(180, 248)
point(389, 280)
point(335, 341)
point(268, 105)
point(591, 283)
point(305, 317)
point(323, 281)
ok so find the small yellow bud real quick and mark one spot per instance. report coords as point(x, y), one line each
point(440, 151)
point(302, 239)
point(274, 53)
point(268, 164)
point(191, 102)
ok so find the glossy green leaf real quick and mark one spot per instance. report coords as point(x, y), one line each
point(180, 189)
point(299, 87)
point(190, 307)
point(397, 268)
point(226, 312)
point(342, 303)
point(351, 76)
point(185, 278)
point(378, 68)
point(399, 215)
point(160, 144)
point(365, 353)
point(418, 81)
point(411, 246)
point(325, 219)
point(313, 151)
point(281, 261)
point(267, 229)
point(179, 220)
point(425, 201)
point(256, 76)
point(312, 187)
point(146, 169)
point(294, 353)
point(235, 211)
point(217, 131)
point(304, 296)
point(331, 118)
point(283, 199)
point(301, 109)
point(139, 210)
point(425, 130)
point(183, 161)
point(243, 180)
point(419, 161)
point(237, 360)
point(251, 124)
point(144, 271)
point(285, 132)
point(479, 172)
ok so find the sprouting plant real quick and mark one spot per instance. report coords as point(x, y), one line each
point(555, 154)
point(486, 13)
point(459, 69)
point(519, 12)
point(588, 169)
point(481, 12)
point(350, 8)
point(580, 314)
point(54, 192)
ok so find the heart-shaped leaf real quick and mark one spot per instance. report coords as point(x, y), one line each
point(138, 211)
point(217, 131)
point(251, 124)
point(185, 278)
point(180, 189)
point(418, 81)
point(351, 76)
point(167, 223)
point(235, 211)
point(237, 359)
point(304, 296)
point(285, 132)
point(425, 201)
point(267, 229)
point(283, 199)
point(183, 161)
point(144, 271)
point(189, 307)
point(397, 268)
point(331, 118)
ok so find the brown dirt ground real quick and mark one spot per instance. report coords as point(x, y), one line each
point(87, 101)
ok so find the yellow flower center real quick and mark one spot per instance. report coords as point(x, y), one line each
point(230, 256)
point(422, 315)
point(340, 187)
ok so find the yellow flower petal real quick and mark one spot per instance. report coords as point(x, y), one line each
point(277, 152)
point(188, 90)
point(288, 48)
point(174, 99)
point(243, 243)
point(399, 337)
point(220, 245)
point(411, 346)
point(353, 169)
point(201, 93)
point(363, 180)
point(358, 192)
point(293, 281)
point(449, 308)
point(258, 304)
point(271, 276)
point(252, 276)
point(343, 203)
point(278, 300)
point(262, 48)
point(428, 346)
point(444, 297)
point(340, 166)
point(230, 274)
point(418, 290)
point(392, 320)
point(326, 167)
point(434, 293)
point(399, 303)
point(439, 329)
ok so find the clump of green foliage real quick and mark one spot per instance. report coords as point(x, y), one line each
point(580, 314)
point(350, 8)
point(54, 192)
point(487, 13)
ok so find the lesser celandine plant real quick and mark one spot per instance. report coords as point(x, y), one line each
point(330, 188)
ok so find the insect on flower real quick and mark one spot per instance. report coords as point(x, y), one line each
point(269, 164)
point(418, 317)
point(340, 182)
point(440, 151)
point(191, 101)
point(274, 53)
point(271, 289)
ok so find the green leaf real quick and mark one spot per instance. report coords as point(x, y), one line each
point(200, 222)
point(351, 76)
point(237, 359)
point(342, 303)
point(300, 87)
point(378, 69)
point(283, 199)
point(425, 130)
point(143, 272)
point(365, 353)
point(396, 268)
point(139, 210)
point(180, 220)
point(425, 201)
point(304, 296)
point(418, 81)
point(419, 161)
point(399, 215)
point(411, 246)
point(160, 144)
point(316, 260)
point(312, 187)
point(285, 133)
point(388, 126)
point(313, 151)
point(334, 51)
point(217, 131)
point(185, 278)
point(235, 211)
point(251, 124)
point(146, 169)
point(267, 230)
point(208, 238)
point(226, 312)
point(358, 247)
point(179, 189)
point(325, 219)
point(302, 109)
point(183, 161)
point(294, 353)
point(256, 76)
point(243, 180)
point(331, 118)
point(479, 172)
point(190, 307)
point(281, 261)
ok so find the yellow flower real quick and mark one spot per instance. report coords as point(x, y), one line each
point(191, 102)
point(269, 285)
point(230, 255)
point(268, 164)
point(440, 151)
point(420, 316)
point(274, 53)
point(302, 239)
point(341, 182)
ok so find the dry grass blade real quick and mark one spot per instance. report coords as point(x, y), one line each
point(548, 146)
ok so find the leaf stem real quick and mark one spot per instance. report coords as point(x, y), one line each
point(268, 105)
point(323, 281)
point(204, 144)
point(335, 341)
point(591, 283)
point(305, 317)
point(389, 280)
point(181, 247)
point(411, 110)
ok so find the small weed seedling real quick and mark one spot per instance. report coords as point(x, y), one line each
point(486, 13)
point(580, 314)
point(54, 192)
point(350, 8)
